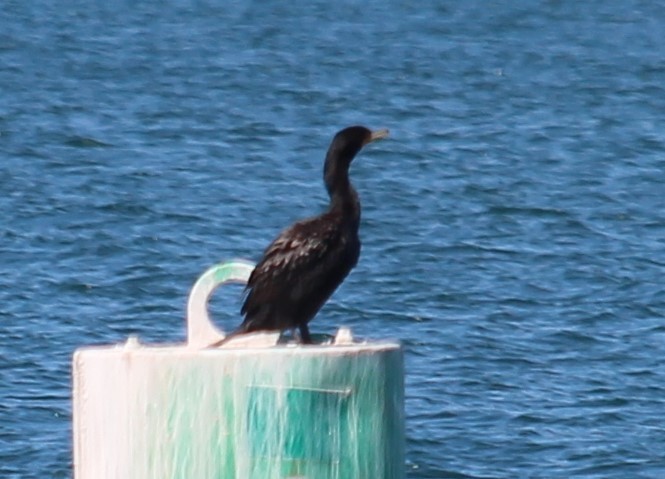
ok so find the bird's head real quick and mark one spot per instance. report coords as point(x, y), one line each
point(348, 142)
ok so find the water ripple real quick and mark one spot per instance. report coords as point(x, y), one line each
point(512, 226)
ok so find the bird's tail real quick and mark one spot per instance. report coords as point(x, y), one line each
point(241, 330)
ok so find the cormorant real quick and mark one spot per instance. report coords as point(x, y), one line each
point(306, 263)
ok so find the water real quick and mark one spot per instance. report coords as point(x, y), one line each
point(512, 227)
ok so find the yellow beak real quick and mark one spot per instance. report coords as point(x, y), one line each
point(378, 135)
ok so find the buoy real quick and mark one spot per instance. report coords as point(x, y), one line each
point(255, 408)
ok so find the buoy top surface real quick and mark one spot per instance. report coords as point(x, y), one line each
point(133, 347)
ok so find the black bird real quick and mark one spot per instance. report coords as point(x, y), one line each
point(306, 263)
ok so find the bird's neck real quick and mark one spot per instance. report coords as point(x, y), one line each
point(346, 202)
point(343, 196)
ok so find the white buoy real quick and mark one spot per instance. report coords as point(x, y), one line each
point(250, 409)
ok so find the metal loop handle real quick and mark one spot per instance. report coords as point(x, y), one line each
point(201, 332)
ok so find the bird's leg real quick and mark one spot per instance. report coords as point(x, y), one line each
point(288, 335)
point(305, 337)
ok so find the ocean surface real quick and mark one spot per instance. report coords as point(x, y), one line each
point(513, 224)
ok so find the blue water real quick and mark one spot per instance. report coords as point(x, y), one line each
point(513, 225)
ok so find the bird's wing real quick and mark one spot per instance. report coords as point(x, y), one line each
point(294, 262)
